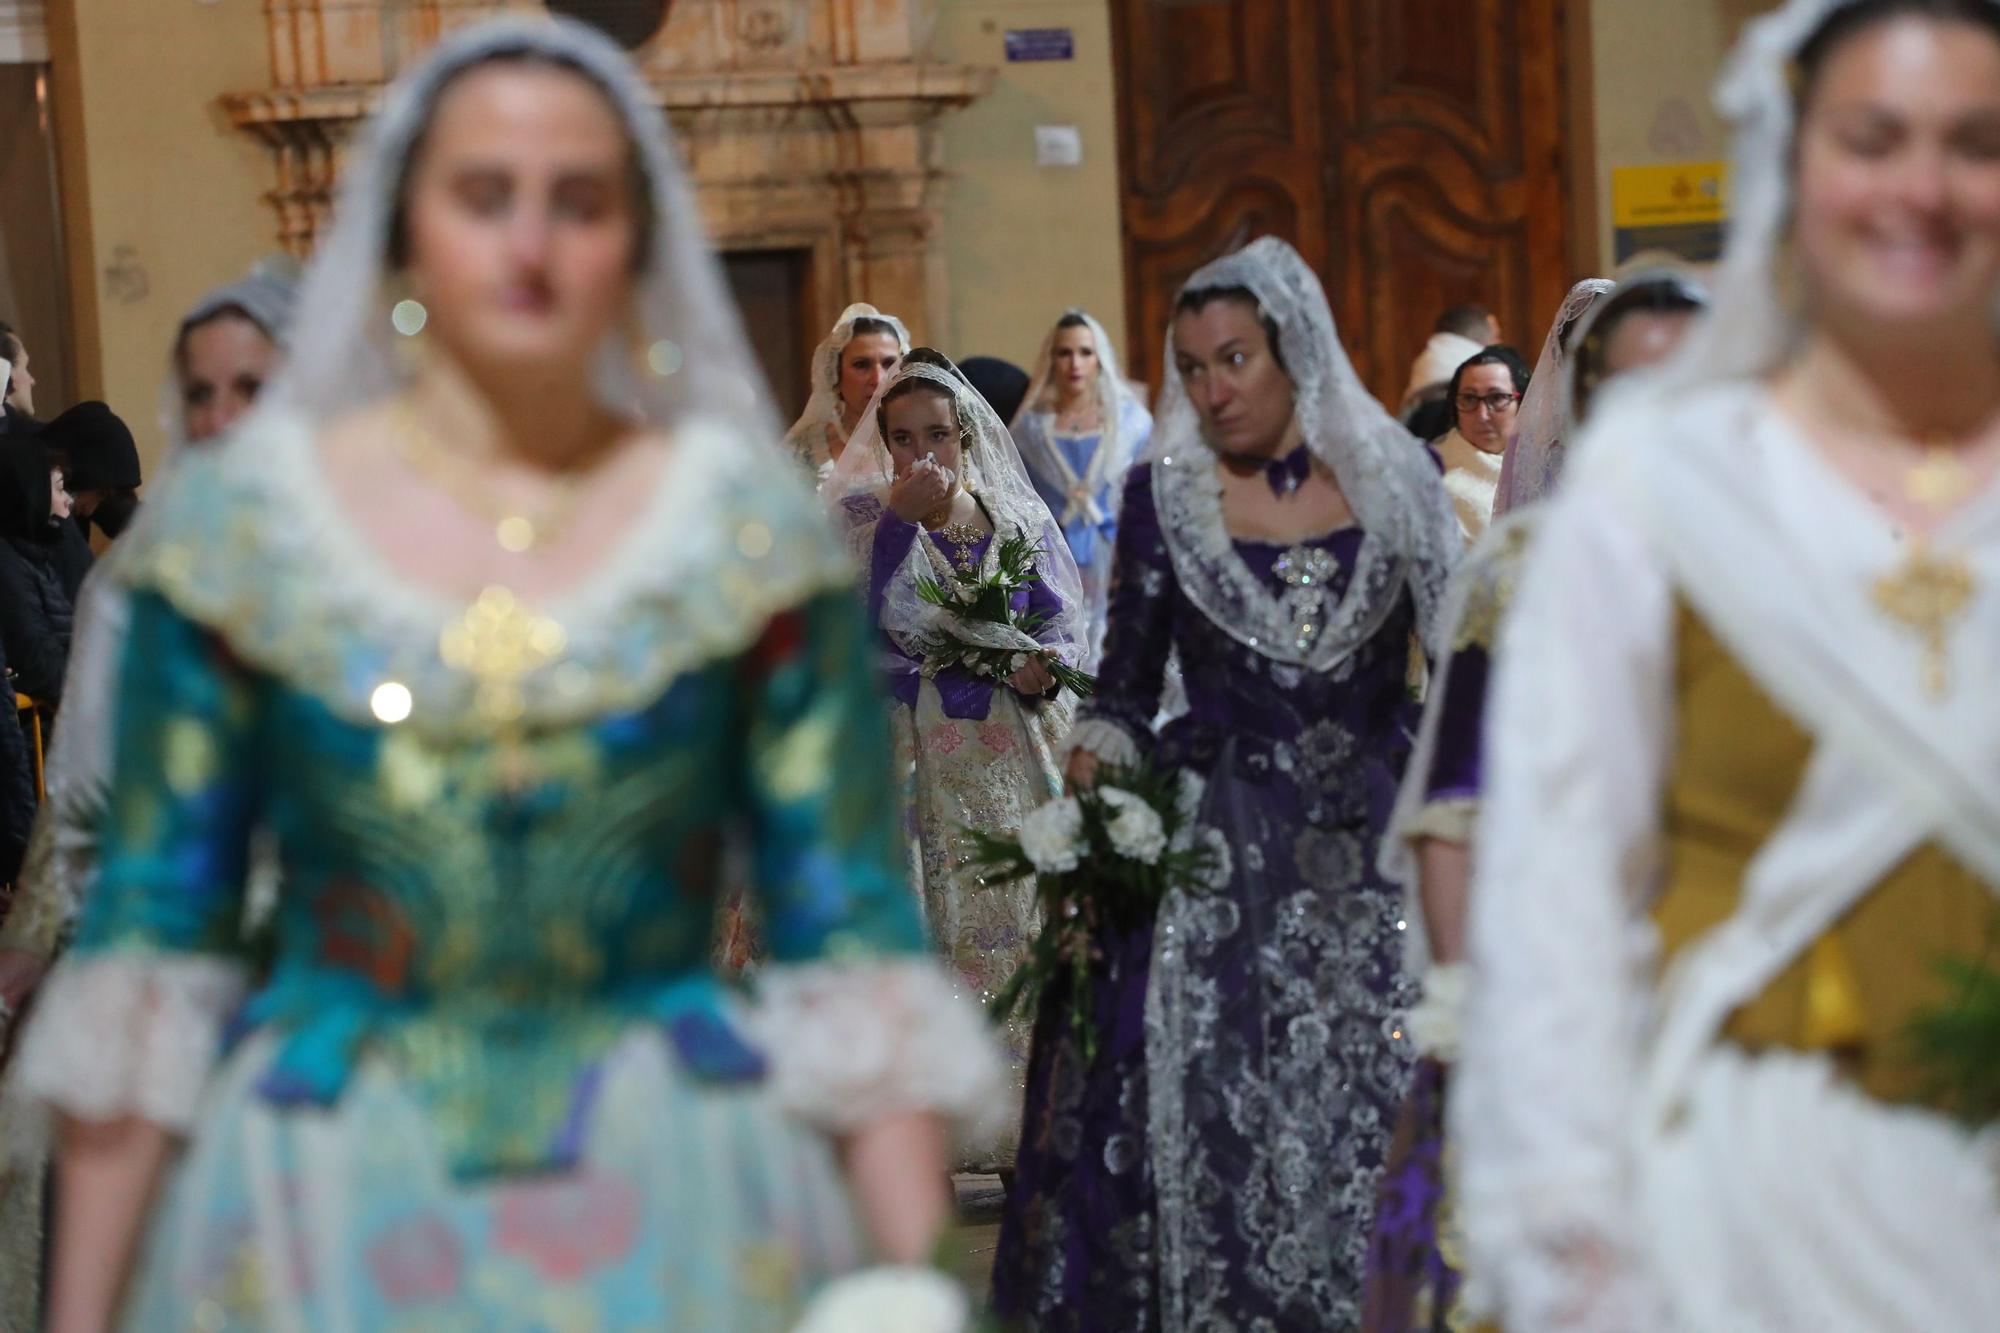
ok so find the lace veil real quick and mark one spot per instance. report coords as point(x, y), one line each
point(692, 357)
point(1118, 405)
point(266, 295)
point(807, 437)
point(994, 474)
point(1388, 478)
point(1529, 467)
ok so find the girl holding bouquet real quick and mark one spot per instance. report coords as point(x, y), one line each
point(938, 508)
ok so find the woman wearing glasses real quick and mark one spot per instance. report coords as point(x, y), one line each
point(1485, 399)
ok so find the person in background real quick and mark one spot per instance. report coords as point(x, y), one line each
point(1485, 399)
point(228, 347)
point(848, 367)
point(35, 610)
point(101, 468)
point(1002, 384)
point(17, 404)
point(1460, 332)
point(1080, 430)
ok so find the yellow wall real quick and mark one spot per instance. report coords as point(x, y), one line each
point(174, 194)
point(1654, 64)
point(1022, 242)
point(180, 191)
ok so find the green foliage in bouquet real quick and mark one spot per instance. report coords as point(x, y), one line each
point(1958, 1043)
point(989, 600)
point(1103, 859)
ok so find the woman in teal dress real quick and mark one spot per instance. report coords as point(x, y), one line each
point(499, 637)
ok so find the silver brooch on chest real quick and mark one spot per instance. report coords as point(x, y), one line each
point(1307, 573)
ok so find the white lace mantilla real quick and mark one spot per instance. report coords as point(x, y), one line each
point(850, 1043)
point(1305, 626)
point(723, 546)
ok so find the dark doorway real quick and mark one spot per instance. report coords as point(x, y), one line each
point(1411, 149)
point(32, 295)
point(770, 288)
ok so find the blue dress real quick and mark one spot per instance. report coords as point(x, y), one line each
point(1059, 464)
point(486, 1078)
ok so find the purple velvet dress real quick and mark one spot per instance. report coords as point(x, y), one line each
point(1415, 1258)
point(1216, 1165)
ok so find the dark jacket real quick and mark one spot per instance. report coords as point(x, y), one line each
point(72, 556)
point(98, 454)
point(35, 612)
point(17, 785)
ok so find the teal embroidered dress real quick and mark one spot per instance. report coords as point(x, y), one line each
point(475, 1071)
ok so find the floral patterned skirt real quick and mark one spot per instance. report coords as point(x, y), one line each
point(694, 1207)
point(984, 775)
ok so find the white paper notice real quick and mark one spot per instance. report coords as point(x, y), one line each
point(1058, 146)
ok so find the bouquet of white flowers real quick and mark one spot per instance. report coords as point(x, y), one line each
point(1103, 859)
point(987, 603)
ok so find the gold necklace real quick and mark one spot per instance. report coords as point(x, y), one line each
point(1930, 593)
point(961, 539)
point(516, 532)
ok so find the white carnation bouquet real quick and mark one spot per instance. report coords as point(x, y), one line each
point(1102, 858)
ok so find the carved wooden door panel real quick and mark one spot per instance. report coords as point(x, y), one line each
point(1411, 149)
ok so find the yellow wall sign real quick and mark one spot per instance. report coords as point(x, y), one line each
point(1677, 206)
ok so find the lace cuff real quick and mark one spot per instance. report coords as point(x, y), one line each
point(851, 1042)
point(129, 1034)
point(1111, 743)
point(1450, 819)
point(1437, 1022)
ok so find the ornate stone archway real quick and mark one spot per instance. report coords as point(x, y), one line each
point(807, 124)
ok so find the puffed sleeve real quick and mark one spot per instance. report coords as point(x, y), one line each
point(1117, 721)
point(1578, 736)
point(130, 1023)
point(855, 1018)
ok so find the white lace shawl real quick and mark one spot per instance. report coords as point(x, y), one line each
point(1413, 538)
point(1576, 1055)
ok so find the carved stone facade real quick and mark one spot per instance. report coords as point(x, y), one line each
point(807, 124)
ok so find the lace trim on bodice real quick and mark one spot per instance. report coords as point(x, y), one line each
point(1304, 625)
point(247, 541)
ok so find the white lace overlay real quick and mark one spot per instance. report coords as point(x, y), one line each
point(1304, 626)
point(849, 1043)
point(1387, 478)
point(1107, 740)
point(133, 1034)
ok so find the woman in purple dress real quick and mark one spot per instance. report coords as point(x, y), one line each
point(1215, 1165)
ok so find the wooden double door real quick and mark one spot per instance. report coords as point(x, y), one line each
point(1413, 150)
